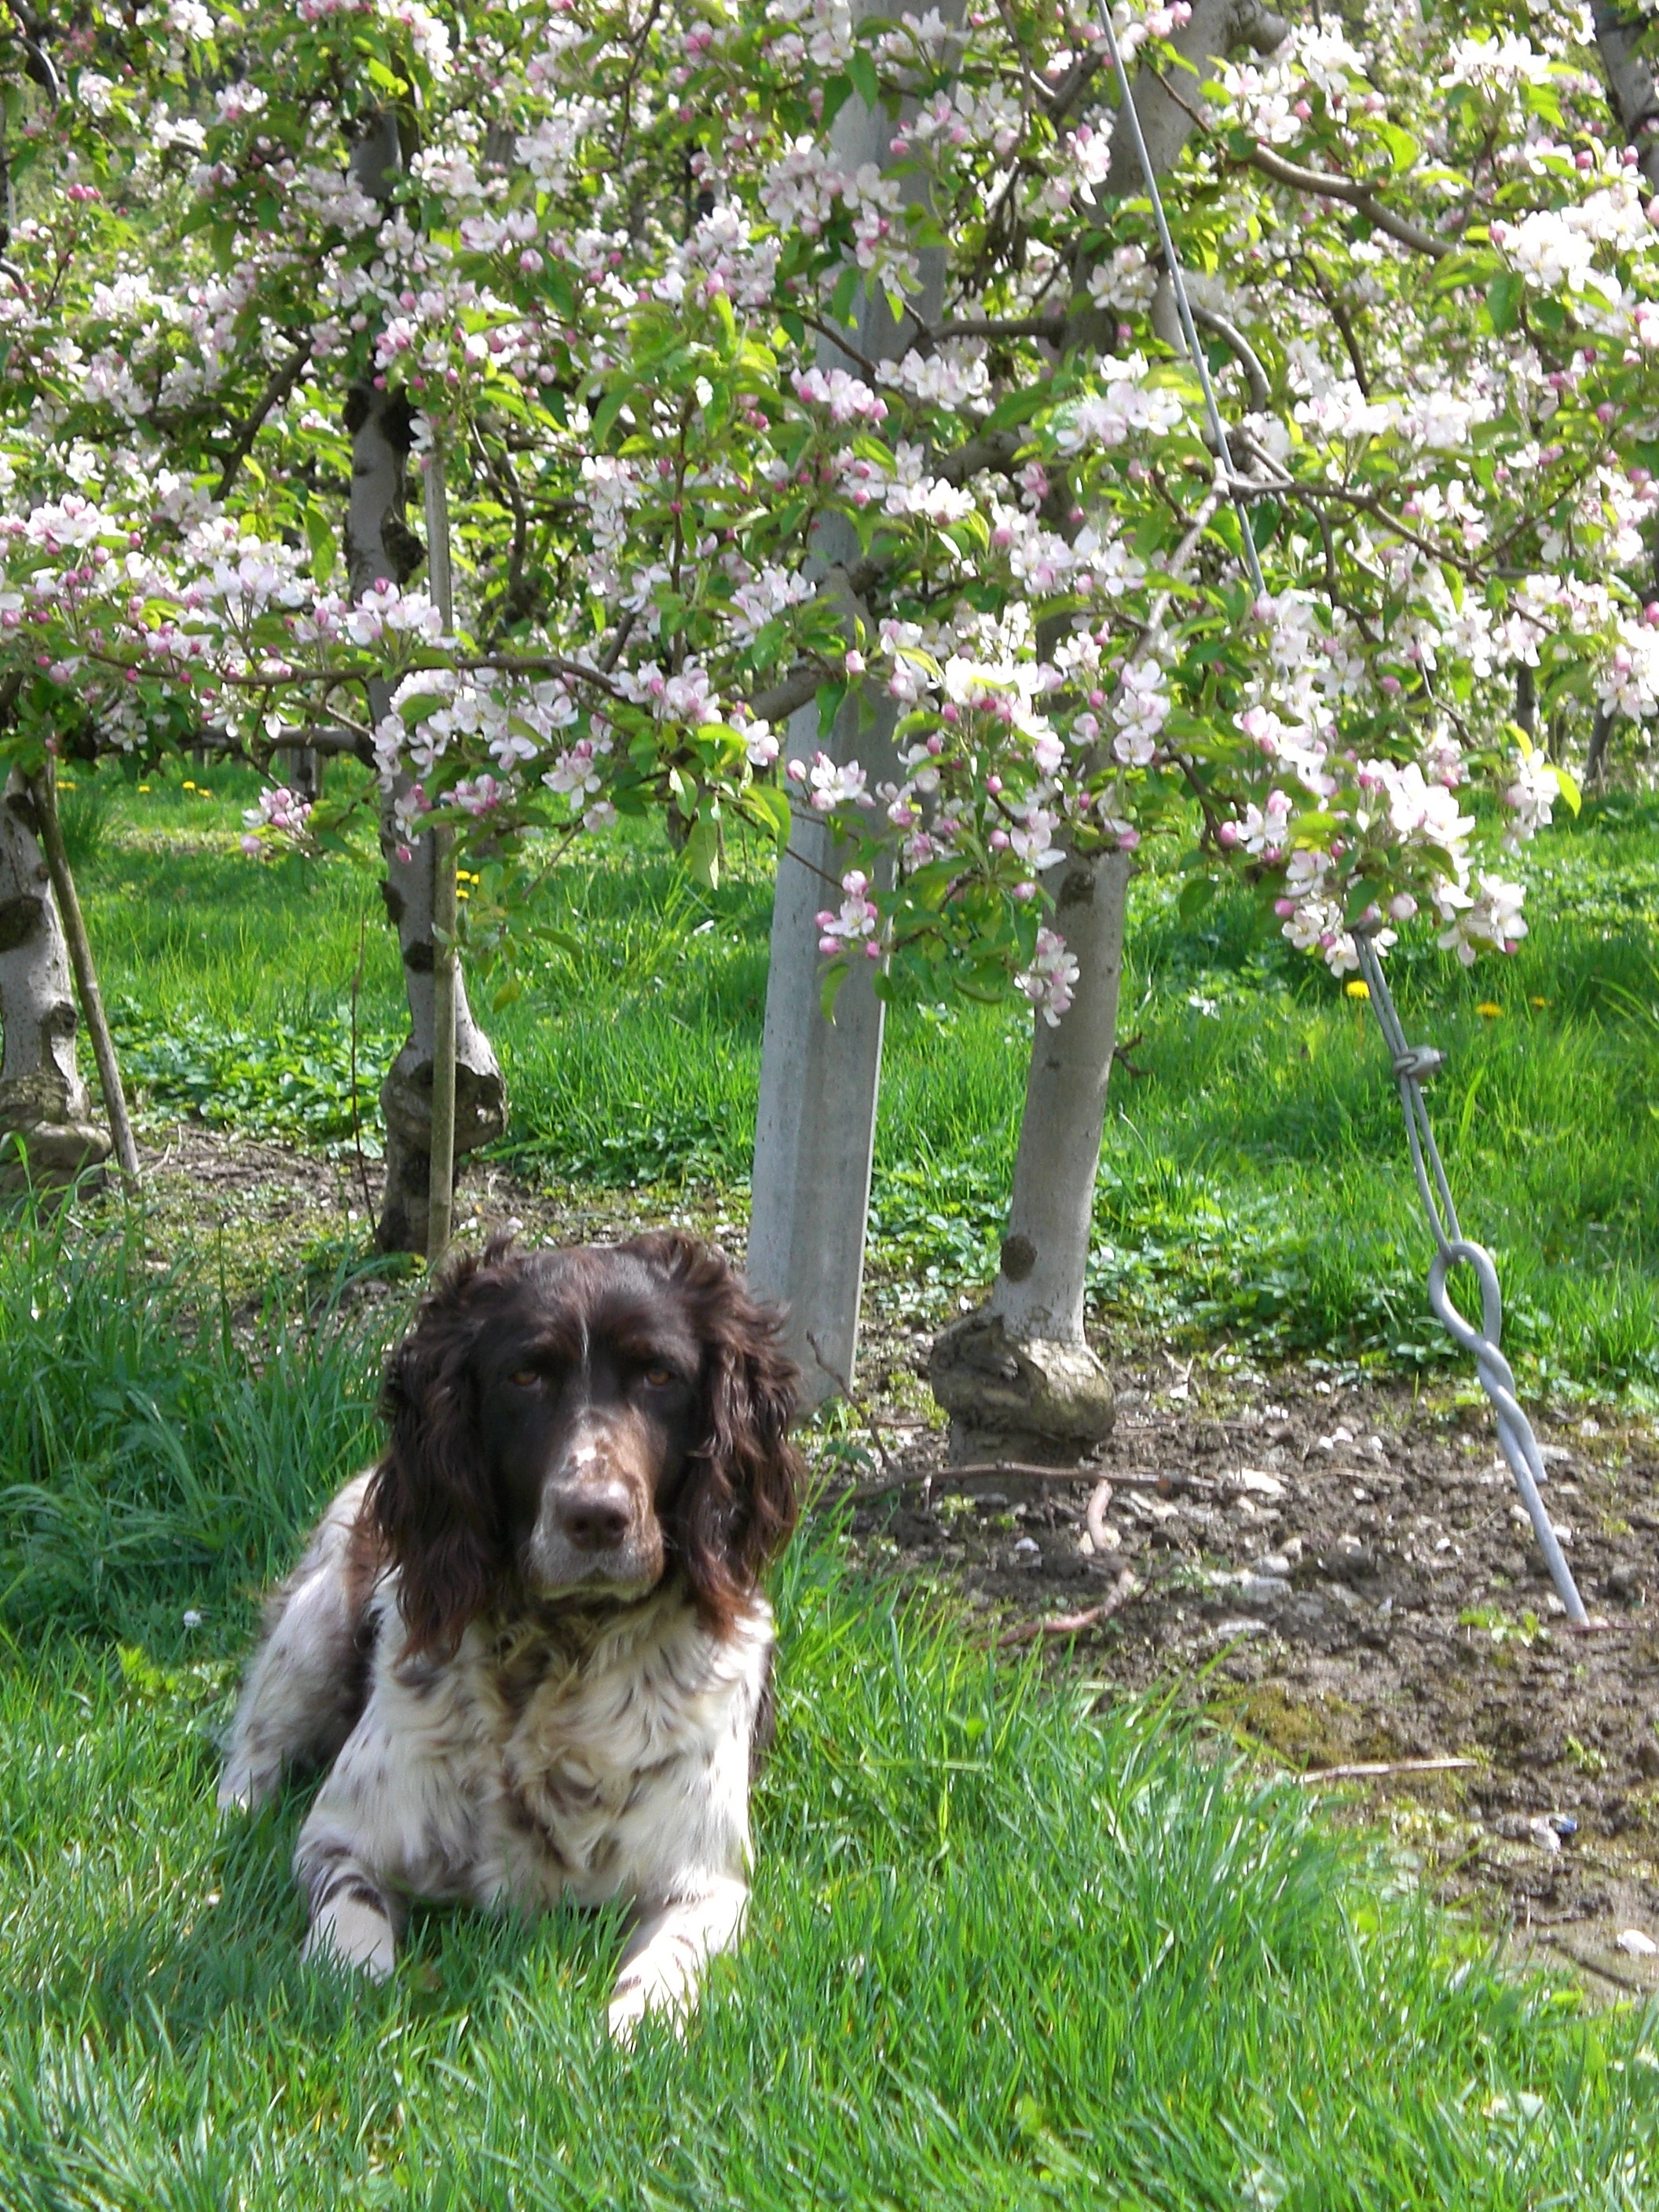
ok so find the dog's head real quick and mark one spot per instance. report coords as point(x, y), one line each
point(581, 1423)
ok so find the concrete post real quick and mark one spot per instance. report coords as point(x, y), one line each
point(815, 1125)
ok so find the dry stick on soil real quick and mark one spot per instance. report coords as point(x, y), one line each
point(440, 1187)
point(1375, 1770)
point(43, 790)
point(1073, 1623)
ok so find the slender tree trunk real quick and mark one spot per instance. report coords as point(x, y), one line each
point(815, 1124)
point(1624, 38)
point(43, 1101)
point(1017, 1376)
point(380, 547)
point(1595, 759)
point(44, 790)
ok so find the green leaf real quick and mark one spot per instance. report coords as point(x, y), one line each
point(507, 991)
point(702, 853)
point(846, 291)
point(1195, 897)
point(1504, 297)
point(324, 542)
point(829, 697)
point(1570, 790)
point(608, 408)
point(861, 68)
point(830, 989)
point(772, 805)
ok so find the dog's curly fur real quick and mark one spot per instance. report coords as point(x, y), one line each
point(531, 1642)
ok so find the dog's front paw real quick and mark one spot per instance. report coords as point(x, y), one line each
point(634, 1997)
point(628, 2003)
point(351, 1932)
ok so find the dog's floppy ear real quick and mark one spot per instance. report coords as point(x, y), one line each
point(738, 1502)
point(431, 1499)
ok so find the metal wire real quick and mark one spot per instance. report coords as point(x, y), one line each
point(1183, 306)
point(1413, 1064)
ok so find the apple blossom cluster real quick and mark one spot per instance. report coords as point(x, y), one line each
point(279, 809)
point(975, 554)
point(1051, 980)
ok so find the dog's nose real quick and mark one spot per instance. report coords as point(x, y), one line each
point(596, 1519)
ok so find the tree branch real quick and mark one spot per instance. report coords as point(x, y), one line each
point(282, 381)
point(1352, 192)
point(1245, 354)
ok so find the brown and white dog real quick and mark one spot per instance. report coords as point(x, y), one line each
point(532, 1641)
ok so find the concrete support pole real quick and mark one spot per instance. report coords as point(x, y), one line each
point(816, 1126)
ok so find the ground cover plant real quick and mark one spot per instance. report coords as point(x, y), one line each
point(1253, 1179)
point(1008, 1945)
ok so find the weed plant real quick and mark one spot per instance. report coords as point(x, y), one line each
point(1008, 1948)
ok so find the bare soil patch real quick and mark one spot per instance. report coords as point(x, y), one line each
point(1354, 1582)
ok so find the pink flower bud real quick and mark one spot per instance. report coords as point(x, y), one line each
point(1227, 835)
point(872, 950)
point(1023, 891)
point(796, 771)
point(1283, 909)
point(1391, 685)
point(828, 945)
point(999, 841)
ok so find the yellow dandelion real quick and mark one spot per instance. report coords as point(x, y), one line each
point(1540, 1002)
point(1358, 988)
point(189, 785)
point(143, 787)
point(1489, 1009)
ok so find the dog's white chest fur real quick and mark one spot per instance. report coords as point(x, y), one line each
point(603, 1759)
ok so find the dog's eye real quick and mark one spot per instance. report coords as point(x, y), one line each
point(524, 1378)
point(659, 1377)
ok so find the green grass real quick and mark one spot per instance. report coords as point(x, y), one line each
point(1254, 1187)
point(1010, 1947)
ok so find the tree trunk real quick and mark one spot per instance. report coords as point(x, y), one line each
point(380, 546)
point(816, 1123)
point(1017, 1376)
point(1595, 759)
point(1623, 39)
point(43, 1101)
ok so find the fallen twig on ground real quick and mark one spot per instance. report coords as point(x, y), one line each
point(1372, 1769)
point(1074, 1624)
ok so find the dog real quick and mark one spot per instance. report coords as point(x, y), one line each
point(531, 1645)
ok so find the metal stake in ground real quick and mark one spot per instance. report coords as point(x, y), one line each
point(1454, 1250)
point(446, 953)
point(43, 789)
